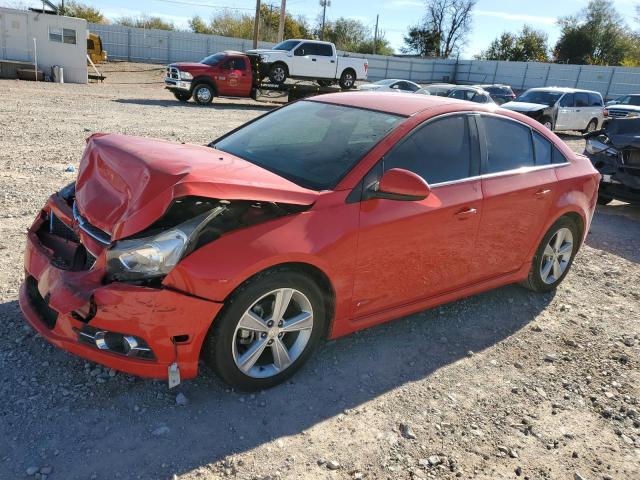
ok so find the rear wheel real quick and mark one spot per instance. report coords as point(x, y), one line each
point(278, 73)
point(203, 94)
point(182, 96)
point(347, 79)
point(269, 328)
point(591, 126)
point(554, 256)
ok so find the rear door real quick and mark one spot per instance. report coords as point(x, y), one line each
point(596, 107)
point(409, 250)
point(518, 186)
point(565, 119)
point(325, 61)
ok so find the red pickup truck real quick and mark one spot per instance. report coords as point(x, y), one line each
point(227, 74)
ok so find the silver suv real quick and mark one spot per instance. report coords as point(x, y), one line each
point(560, 108)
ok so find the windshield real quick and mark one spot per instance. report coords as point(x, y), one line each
point(384, 82)
point(630, 100)
point(310, 143)
point(286, 45)
point(212, 60)
point(537, 96)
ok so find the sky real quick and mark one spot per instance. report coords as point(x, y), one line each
point(491, 17)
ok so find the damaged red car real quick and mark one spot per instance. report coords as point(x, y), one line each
point(313, 221)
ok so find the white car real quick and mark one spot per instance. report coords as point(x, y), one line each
point(559, 108)
point(625, 106)
point(310, 59)
point(391, 85)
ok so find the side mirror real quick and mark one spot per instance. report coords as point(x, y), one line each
point(401, 184)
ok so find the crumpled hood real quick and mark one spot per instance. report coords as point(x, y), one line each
point(125, 183)
point(523, 106)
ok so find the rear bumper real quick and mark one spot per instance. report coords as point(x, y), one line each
point(173, 325)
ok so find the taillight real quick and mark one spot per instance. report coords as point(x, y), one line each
point(605, 112)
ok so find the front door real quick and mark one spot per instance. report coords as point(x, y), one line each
point(566, 119)
point(517, 193)
point(235, 78)
point(411, 250)
point(304, 61)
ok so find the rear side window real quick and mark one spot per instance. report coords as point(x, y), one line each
point(567, 100)
point(595, 100)
point(324, 50)
point(508, 145)
point(440, 151)
point(541, 149)
point(582, 99)
point(558, 156)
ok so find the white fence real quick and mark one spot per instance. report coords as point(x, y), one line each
point(160, 46)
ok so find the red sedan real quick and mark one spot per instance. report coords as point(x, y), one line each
point(318, 219)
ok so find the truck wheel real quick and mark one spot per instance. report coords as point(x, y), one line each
point(278, 73)
point(182, 96)
point(203, 94)
point(347, 79)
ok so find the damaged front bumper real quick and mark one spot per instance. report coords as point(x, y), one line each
point(134, 329)
point(620, 177)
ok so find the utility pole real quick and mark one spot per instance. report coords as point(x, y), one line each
point(324, 4)
point(256, 25)
point(375, 35)
point(283, 6)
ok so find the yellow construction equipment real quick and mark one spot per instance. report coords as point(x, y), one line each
point(94, 49)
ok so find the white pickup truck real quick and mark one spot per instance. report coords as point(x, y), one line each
point(310, 59)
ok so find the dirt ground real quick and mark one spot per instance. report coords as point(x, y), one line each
point(507, 384)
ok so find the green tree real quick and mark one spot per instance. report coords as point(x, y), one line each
point(80, 10)
point(352, 35)
point(529, 45)
point(596, 35)
point(146, 22)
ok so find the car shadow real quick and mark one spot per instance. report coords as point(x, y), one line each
point(622, 218)
point(217, 103)
point(133, 425)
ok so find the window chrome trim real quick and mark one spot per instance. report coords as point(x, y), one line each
point(515, 171)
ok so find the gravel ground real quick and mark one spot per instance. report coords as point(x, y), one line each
point(507, 384)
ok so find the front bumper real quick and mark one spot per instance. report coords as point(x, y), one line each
point(55, 302)
point(181, 85)
point(619, 181)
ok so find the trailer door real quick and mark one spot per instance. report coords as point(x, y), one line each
point(13, 32)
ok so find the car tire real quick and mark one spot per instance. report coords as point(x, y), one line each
point(228, 346)
point(604, 199)
point(203, 94)
point(347, 79)
point(182, 96)
point(554, 256)
point(591, 126)
point(547, 122)
point(278, 73)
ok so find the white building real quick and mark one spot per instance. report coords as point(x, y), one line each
point(59, 41)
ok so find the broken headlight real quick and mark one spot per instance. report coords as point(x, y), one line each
point(155, 256)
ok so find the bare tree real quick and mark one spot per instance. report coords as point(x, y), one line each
point(449, 22)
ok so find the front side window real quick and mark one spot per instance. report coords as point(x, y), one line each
point(212, 60)
point(567, 100)
point(582, 99)
point(508, 145)
point(310, 143)
point(439, 151)
point(539, 96)
point(305, 49)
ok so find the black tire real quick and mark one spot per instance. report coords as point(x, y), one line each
point(547, 122)
point(278, 73)
point(534, 281)
point(182, 96)
point(591, 126)
point(347, 79)
point(325, 83)
point(218, 347)
point(604, 199)
point(203, 93)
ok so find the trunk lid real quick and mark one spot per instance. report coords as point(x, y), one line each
point(125, 183)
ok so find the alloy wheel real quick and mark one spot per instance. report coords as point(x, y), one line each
point(556, 256)
point(203, 94)
point(279, 74)
point(272, 333)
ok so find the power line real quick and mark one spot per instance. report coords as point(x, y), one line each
point(205, 5)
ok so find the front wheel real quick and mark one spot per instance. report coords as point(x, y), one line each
point(554, 256)
point(547, 122)
point(182, 96)
point(270, 327)
point(347, 79)
point(203, 94)
point(278, 73)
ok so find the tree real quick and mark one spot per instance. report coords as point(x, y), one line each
point(80, 10)
point(443, 30)
point(529, 45)
point(597, 35)
point(146, 22)
point(229, 23)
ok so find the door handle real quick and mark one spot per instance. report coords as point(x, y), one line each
point(313, 59)
point(466, 213)
point(333, 61)
point(542, 193)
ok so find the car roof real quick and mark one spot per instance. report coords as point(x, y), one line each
point(471, 88)
point(307, 40)
point(561, 90)
point(388, 102)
